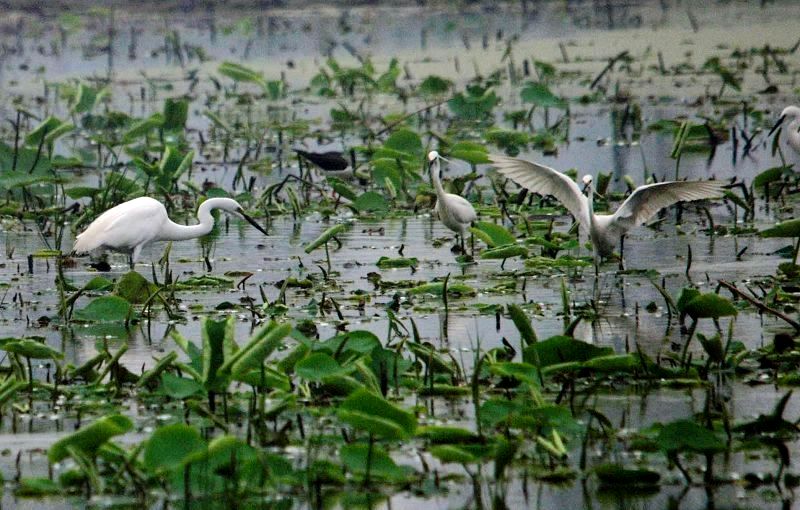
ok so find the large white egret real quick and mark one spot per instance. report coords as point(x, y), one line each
point(453, 210)
point(792, 131)
point(604, 229)
point(131, 225)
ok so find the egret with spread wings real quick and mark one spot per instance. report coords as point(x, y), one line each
point(603, 229)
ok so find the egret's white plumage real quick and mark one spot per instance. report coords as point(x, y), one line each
point(453, 210)
point(131, 225)
point(792, 131)
point(604, 229)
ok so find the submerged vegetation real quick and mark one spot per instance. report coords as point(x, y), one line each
point(355, 357)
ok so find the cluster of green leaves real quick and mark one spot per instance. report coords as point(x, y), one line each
point(335, 79)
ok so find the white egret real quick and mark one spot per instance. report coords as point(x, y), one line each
point(453, 210)
point(604, 229)
point(131, 225)
point(792, 131)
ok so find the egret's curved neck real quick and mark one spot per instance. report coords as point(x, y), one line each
point(590, 202)
point(437, 184)
point(792, 134)
point(175, 232)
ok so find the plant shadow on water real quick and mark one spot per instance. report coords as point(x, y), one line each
point(350, 357)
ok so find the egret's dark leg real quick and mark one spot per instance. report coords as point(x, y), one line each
point(596, 266)
point(134, 255)
point(463, 247)
point(621, 253)
point(130, 260)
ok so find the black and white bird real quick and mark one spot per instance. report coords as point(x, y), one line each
point(331, 163)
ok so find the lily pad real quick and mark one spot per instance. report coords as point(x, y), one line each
point(106, 309)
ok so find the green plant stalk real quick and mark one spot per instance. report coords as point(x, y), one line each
point(692, 329)
point(114, 359)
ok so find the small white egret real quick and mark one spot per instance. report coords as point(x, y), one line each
point(131, 225)
point(604, 229)
point(453, 210)
point(792, 131)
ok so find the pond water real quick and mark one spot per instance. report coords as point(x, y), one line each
point(175, 50)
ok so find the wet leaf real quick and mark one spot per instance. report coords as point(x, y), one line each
point(46, 127)
point(260, 346)
point(143, 127)
point(205, 280)
point(86, 98)
point(176, 111)
point(713, 347)
point(218, 346)
point(179, 387)
point(33, 349)
point(405, 141)
point(504, 452)
point(396, 262)
point(434, 86)
point(505, 252)
point(326, 236)
point(371, 413)
point(476, 104)
point(98, 283)
point(240, 73)
point(437, 288)
point(540, 95)
point(357, 457)
point(770, 175)
point(171, 446)
point(685, 297)
point(492, 234)
point(318, 366)
point(613, 363)
point(134, 288)
point(471, 152)
point(28, 162)
point(105, 309)
point(444, 435)
point(790, 228)
point(342, 188)
point(36, 487)
point(523, 324)
point(562, 349)
point(709, 306)
point(371, 202)
point(685, 435)
point(451, 453)
point(267, 377)
point(523, 372)
point(507, 139)
point(91, 437)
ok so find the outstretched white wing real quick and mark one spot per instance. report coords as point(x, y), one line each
point(545, 181)
point(647, 200)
